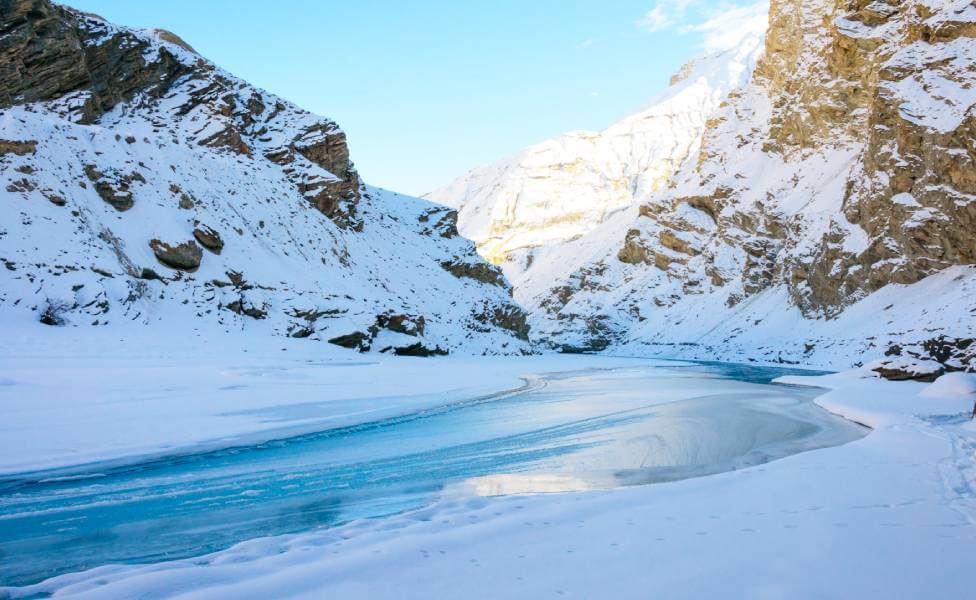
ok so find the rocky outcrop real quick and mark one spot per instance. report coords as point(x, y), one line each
point(114, 186)
point(48, 52)
point(20, 148)
point(356, 340)
point(209, 238)
point(405, 324)
point(477, 271)
point(912, 190)
point(420, 350)
point(334, 193)
point(183, 257)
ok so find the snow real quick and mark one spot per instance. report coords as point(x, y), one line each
point(890, 515)
point(128, 397)
point(952, 384)
point(307, 273)
point(125, 398)
point(786, 199)
point(941, 93)
point(149, 368)
point(565, 187)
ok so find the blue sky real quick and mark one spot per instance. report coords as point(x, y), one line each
point(427, 90)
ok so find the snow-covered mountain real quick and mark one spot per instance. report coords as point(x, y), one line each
point(824, 212)
point(145, 186)
point(563, 188)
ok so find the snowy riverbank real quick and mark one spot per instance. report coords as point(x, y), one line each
point(70, 399)
point(889, 515)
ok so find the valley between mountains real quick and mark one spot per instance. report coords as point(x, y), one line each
point(724, 347)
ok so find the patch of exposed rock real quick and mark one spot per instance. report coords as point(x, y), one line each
point(479, 271)
point(183, 257)
point(209, 238)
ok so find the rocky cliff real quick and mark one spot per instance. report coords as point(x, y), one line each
point(563, 188)
point(826, 217)
point(145, 185)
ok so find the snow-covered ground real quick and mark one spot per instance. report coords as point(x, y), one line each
point(75, 396)
point(890, 515)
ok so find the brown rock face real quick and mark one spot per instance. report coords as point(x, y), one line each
point(406, 324)
point(17, 147)
point(113, 187)
point(483, 272)
point(325, 146)
point(356, 340)
point(45, 54)
point(209, 238)
point(913, 192)
point(48, 51)
point(633, 252)
point(183, 257)
point(510, 317)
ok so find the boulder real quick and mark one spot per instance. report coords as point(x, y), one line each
point(356, 340)
point(407, 324)
point(183, 257)
point(209, 238)
point(419, 349)
point(480, 271)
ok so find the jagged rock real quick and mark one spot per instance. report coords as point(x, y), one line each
point(209, 238)
point(324, 145)
point(902, 369)
point(149, 275)
point(54, 199)
point(114, 187)
point(172, 38)
point(406, 324)
point(479, 271)
point(241, 308)
point(229, 137)
point(183, 257)
point(669, 240)
point(446, 224)
point(419, 349)
point(186, 202)
point(46, 55)
point(356, 340)
point(633, 251)
point(509, 317)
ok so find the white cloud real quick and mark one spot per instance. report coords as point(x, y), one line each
point(721, 24)
point(665, 14)
point(726, 28)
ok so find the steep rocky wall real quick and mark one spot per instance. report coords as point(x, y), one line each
point(841, 171)
point(910, 65)
point(48, 52)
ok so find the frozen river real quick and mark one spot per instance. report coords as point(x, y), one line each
point(571, 431)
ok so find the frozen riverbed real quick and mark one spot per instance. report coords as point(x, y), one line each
point(889, 515)
point(590, 429)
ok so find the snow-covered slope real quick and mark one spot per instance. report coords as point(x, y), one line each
point(827, 215)
point(143, 184)
point(563, 188)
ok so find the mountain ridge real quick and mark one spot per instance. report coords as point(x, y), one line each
point(153, 188)
point(826, 217)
